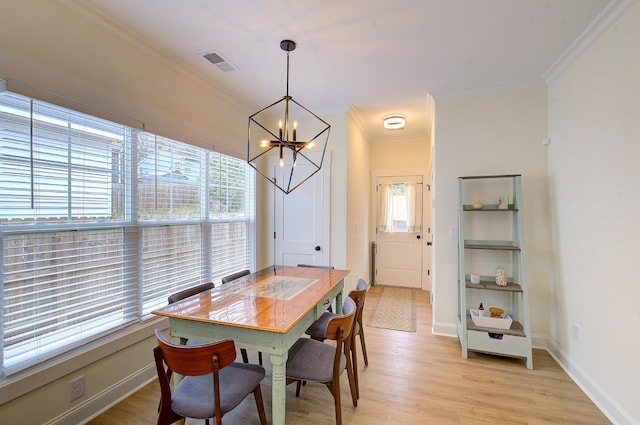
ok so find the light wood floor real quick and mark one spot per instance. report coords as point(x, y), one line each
point(414, 378)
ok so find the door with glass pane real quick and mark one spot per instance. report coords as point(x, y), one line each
point(399, 231)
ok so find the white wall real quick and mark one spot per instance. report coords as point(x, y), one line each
point(338, 193)
point(594, 125)
point(358, 195)
point(498, 133)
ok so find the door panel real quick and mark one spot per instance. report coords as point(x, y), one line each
point(301, 220)
point(399, 252)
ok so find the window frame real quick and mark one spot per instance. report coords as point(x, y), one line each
point(133, 228)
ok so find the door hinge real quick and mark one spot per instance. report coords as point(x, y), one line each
point(274, 235)
point(428, 187)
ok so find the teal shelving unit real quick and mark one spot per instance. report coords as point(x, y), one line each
point(489, 236)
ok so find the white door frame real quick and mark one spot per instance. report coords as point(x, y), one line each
point(425, 275)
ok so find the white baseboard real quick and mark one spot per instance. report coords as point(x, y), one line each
point(96, 405)
point(445, 329)
point(611, 409)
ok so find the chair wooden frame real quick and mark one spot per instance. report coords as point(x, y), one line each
point(234, 276)
point(358, 295)
point(339, 329)
point(189, 292)
point(195, 361)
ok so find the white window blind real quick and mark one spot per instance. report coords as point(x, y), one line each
point(58, 164)
point(170, 178)
point(172, 261)
point(79, 262)
point(231, 209)
point(60, 288)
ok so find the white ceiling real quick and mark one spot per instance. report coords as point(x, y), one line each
point(377, 56)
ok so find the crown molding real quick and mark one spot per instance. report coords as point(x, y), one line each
point(610, 15)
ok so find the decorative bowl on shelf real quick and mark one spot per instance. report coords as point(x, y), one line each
point(477, 205)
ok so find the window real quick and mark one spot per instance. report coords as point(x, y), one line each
point(100, 222)
point(399, 207)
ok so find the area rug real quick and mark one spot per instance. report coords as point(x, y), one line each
point(396, 309)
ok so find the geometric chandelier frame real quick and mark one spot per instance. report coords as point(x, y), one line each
point(274, 137)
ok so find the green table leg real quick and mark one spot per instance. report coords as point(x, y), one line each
point(278, 388)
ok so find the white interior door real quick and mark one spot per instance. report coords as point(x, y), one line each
point(399, 238)
point(302, 219)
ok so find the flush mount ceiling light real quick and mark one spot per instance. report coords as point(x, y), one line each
point(273, 138)
point(394, 122)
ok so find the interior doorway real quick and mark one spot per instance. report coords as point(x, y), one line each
point(402, 229)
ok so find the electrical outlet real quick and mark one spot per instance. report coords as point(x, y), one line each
point(76, 388)
point(575, 332)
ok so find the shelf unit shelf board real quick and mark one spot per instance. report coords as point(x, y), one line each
point(492, 207)
point(491, 245)
point(492, 286)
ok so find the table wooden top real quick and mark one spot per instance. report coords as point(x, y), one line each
point(265, 300)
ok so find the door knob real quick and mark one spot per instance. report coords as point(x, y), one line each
point(429, 243)
point(418, 237)
point(318, 248)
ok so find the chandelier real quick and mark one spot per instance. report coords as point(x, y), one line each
point(287, 136)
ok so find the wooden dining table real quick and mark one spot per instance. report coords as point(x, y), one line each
point(265, 311)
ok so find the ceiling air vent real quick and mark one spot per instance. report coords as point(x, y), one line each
point(219, 61)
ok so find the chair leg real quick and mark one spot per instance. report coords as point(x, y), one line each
point(260, 358)
point(298, 385)
point(364, 346)
point(354, 360)
point(245, 357)
point(336, 398)
point(257, 394)
point(352, 383)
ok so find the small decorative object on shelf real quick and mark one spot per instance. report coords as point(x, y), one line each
point(474, 278)
point(477, 205)
point(481, 310)
point(501, 276)
point(503, 203)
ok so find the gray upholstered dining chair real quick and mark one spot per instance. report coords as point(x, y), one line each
point(230, 278)
point(186, 293)
point(213, 384)
point(314, 361)
point(317, 328)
